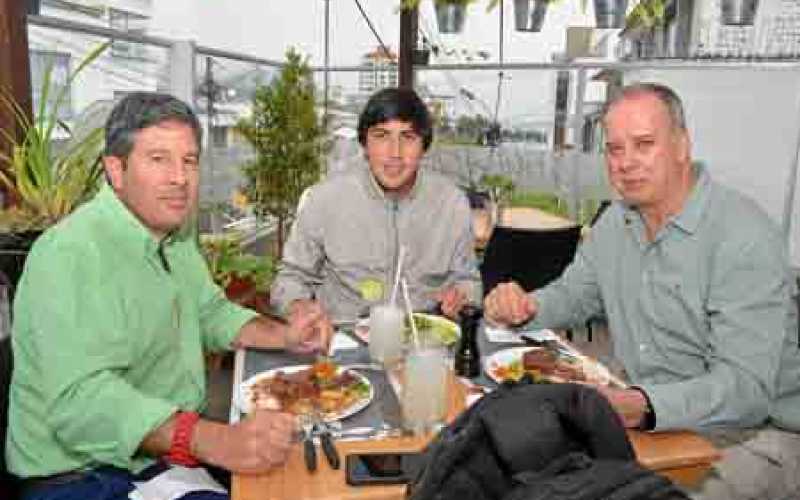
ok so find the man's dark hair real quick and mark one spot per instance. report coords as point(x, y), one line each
point(139, 110)
point(396, 104)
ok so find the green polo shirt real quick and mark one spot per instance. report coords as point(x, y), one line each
point(107, 342)
point(702, 317)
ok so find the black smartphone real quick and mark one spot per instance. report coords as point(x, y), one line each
point(381, 468)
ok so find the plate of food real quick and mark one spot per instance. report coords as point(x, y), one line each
point(445, 330)
point(336, 392)
point(544, 364)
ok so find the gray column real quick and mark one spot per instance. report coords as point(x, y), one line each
point(181, 70)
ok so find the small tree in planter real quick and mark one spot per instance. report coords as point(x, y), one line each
point(287, 138)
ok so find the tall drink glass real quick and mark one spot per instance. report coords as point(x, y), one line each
point(424, 393)
point(385, 332)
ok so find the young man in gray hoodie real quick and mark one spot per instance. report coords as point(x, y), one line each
point(344, 246)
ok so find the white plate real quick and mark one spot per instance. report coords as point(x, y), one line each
point(504, 357)
point(595, 372)
point(361, 328)
point(357, 406)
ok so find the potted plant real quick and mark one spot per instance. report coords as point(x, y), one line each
point(529, 14)
point(739, 12)
point(501, 189)
point(288, 140)
point(45, 182)
point(450, 14)
point(647, 14)
point(610, 13)
point(421, 57)
point(245, 278)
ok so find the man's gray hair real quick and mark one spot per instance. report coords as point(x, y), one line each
point(139, 110)
point(661, 92)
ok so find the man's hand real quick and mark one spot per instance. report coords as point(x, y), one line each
point(452, 299)
point(508, 304)
point(310, 330)
point(256, 444)
point(630, 404)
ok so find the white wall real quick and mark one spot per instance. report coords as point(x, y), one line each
point(745, 125)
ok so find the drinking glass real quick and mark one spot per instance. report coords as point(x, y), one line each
point(424, 388)
point(385, 332)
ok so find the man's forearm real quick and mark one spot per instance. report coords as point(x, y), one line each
point(207, 438)
point(158, 441)
point(263, 332)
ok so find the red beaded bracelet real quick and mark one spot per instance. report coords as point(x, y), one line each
point(180, 452)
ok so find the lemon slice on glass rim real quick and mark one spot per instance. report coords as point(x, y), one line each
point(371, 289)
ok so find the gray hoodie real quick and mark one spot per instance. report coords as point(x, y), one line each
point(348, 234)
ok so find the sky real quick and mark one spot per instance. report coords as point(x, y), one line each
point(267, 28)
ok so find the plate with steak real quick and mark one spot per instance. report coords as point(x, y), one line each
point(544, 365)
point(334, 391)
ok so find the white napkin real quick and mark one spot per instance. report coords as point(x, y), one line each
point(175, 483)
point(342, 342)
point(499, 334)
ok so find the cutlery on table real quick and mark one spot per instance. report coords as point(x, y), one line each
point(326, 441)
point(309, 451)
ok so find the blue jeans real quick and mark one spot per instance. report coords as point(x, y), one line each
point(107, 483)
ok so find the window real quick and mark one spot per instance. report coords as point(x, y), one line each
point(58, 64)
point(128, 22)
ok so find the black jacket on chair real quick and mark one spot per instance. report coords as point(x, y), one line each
point(530, 257)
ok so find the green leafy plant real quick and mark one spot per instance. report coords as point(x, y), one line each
point(46, 182)
point(230, 265)
point(647, 14)
point(288, 140)
point(500, 187)
point(410, 4)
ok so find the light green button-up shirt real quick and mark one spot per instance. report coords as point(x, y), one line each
point(107, 343)
point(702, 317)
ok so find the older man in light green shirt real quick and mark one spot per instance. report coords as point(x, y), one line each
point(112, 316)
point(691, 276)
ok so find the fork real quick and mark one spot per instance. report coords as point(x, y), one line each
point(309, 451)
point(326, 439)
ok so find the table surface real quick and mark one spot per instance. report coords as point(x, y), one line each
point(685, 457)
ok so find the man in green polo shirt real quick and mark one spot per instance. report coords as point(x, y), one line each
point(112, 316)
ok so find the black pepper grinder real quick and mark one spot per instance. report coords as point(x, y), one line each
point(468, 358)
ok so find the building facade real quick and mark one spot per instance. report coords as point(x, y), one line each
point(381, 71)
point(122, 68)
point(696, 29)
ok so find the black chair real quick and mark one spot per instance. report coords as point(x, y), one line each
point(530, 257)
point(8, 483)
point(604, 204)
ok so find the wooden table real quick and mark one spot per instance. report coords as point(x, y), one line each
point(683, 456)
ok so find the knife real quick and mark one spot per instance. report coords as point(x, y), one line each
point(331, 453)
point(325, 439)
